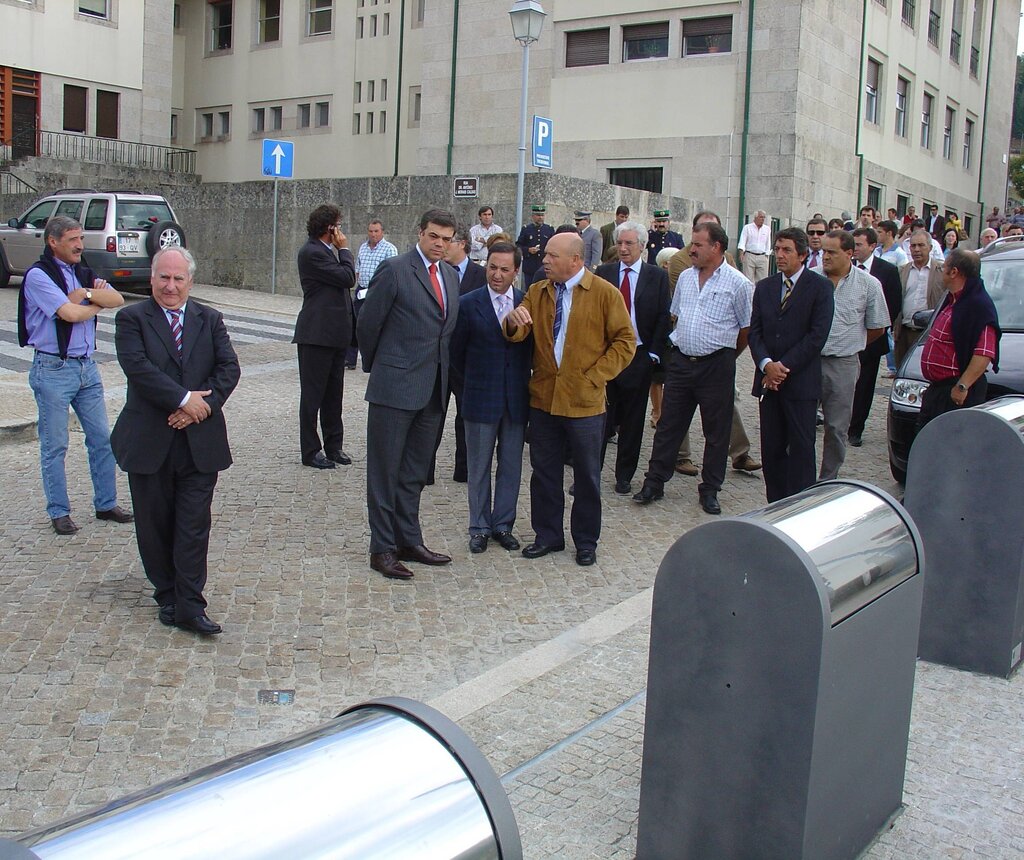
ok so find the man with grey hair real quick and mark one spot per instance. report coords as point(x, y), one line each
point(754, 247)
point(59, 301)
point(988, 236)
point(644, 289)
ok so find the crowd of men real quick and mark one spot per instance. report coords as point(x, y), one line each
point(559, 338)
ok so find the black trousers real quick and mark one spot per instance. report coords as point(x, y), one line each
point(708, 384)
point(627, 410)
point(172, 526)
point(864, 392)
point(787, 445)
point(936, 399)
point(321, 391)
point(549, 436)
point(455, 385)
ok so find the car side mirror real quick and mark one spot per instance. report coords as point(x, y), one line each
point(14, 223)
point(922, 318)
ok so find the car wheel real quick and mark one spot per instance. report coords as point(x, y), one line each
point(165, 234)
point(898, 473)
point(5, 273)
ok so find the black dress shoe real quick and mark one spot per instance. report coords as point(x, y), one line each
point(572, 489)
point(64, 525)
point(166, 614)
point(709, 502)
point(200, 624)
point(586, 557)
point(623, 488)
point(339, 457)
point(116, 514)
point(461, 476)
point(478, 543)
point(537, 550)
point(422, 555)
point(388, 564)
point(855, 441)
point(351, 366)
point(647, 495)
point(507, 540)
point(319, 461)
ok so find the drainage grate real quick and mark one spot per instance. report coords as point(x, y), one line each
point(275, 697)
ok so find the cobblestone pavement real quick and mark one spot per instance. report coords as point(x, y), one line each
point(542, 662)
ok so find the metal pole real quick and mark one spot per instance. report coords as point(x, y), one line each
point(273, 246)
point(522, 138)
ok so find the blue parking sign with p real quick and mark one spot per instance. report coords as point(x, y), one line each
point(542, 142)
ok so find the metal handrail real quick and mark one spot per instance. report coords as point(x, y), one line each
point(954, 45)
point(907, 12)
point(934, 26)
point(101, 150)
point(11, 184)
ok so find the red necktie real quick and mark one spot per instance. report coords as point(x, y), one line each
point(624, 289)
point(437, 286)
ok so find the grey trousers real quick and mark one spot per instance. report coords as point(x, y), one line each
point(755, 267)
point(486, 518)
point(739, 443)
point(838, 382)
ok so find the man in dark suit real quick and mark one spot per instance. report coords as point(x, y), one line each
point(170, 437)
point(495, 399)
point(646, 295)
point(532, 241)
point(404, 329)
point(323, 332)
point(790, 322)
point(864, 241)
point(608, 250)
point(935, 223)
point(471, 275)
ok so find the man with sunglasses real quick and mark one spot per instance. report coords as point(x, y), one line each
point(816, 230)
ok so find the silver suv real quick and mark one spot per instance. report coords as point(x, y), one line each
point(122, 230)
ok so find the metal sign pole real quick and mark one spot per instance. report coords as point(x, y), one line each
point(273, 246)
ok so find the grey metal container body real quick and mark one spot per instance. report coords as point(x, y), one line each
point(965, 490)
point(388, 779)
point(772, 729)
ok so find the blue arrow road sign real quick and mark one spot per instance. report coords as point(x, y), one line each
point(541, 142)
point(278, 158)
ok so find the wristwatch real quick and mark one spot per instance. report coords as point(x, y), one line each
point(961, 387)
point(88, 295)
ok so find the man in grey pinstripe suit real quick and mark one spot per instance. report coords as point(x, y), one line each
point(403, 329)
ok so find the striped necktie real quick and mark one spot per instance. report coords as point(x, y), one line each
point(176, 328)
point(789, 291)
point(559, 293)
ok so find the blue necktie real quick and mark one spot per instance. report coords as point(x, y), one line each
point(559, 293)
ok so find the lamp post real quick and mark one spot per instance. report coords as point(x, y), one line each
point(527, 20)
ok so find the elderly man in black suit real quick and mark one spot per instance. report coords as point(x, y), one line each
point(646, 295)
point(323, 331)
point(170, 437)
point(865, 239)
point(404, 329)
point(789, 324)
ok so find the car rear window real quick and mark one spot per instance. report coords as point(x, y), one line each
point(1004, 280)
point(141, 215)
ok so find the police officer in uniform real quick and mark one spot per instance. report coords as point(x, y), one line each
point(532, 241)
point(661, 237)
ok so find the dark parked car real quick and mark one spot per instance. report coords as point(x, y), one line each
point(1002, 269)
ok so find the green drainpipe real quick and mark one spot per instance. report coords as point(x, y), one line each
point(859, 201)
point(398, 100)
point(451, 95)
point(984, 121)
point(746, 119)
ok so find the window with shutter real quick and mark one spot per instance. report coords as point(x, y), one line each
point(587, 48)
point(645, 41)
point(707, 36)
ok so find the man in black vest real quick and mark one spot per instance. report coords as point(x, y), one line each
point(57, 307)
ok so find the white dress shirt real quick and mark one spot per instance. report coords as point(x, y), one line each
point(756, 240)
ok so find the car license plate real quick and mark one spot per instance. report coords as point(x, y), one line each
point(128, 246)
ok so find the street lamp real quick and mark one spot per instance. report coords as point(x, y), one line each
point(527, 20)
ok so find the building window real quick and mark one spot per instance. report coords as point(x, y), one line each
point(707, 36)
point(644, 178)
point(276, 115)
point(107, 111)
point(224, 123)
point(373, 26)
point(947, 133)
point(587, 48)
point(207, 125)
point(968, 136)
point(302, 116)
point(259, 120)
point(319, 21)
point(359, 27)
point(977, 36)
point(902, 203)
point(645, 41)
point(75, 100)
point(927, 100)
point(935, 22)
point(369, 90)
point(418, 9)
point(902, 89)
point(387, 25)
point(369, 123)
point(874, 74)
point(356, 118)
point(874, 197)
point(323, 114)
point(357, 95)
point(220, 25)
point(909, 7)
point(174, 126)
point(382, 122)
point(95, 8)
point(415, 105)
point(955, 32)
point(383, 89)
point(176, 16)
point(968, 224)
point(269, 22)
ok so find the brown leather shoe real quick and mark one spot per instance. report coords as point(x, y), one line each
point(64, 525)
point(387, 563)
point(116, 514)
point(746, 463)
point(422, 555)
point(687, 467)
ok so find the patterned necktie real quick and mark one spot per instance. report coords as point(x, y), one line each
point(789, 291)
point(504, 307)
point(176, 328)
point(624, 289)
point(814, 259)
point(437, 287)
point(559, 293)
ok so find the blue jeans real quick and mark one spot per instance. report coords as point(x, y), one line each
point(58, 384)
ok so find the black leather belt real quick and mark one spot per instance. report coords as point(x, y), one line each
point(65, 357)
point(695, 358)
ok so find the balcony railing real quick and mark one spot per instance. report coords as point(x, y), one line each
point(101, 150)
point(908, 12)
point(954, 46)
point(934, 24)
point(11, 184)
point(975, 61)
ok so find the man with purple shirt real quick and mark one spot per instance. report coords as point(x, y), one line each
point(57, 307)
